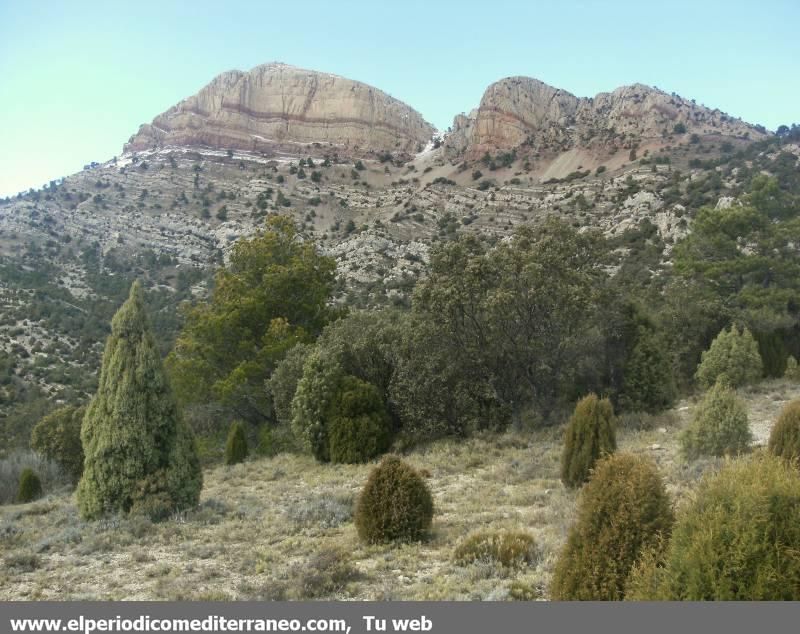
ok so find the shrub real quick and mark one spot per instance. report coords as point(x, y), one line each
point(11, 468)
point(734, 353)
point(336, 416)
point(57, 437)
point(30, 486)
point(321, 375)
point(508, 548)
point(590, 435)
point(282, 385)
point(792, 369)
point(623, 510)
point(358, 425)
point(738, 540)
point(648, 385)
point(236, 445)
point(395, 504)
point(133, 428)
point(719, 426)
point(784, 439)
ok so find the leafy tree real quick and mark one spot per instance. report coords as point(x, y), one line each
point(516, 314)
point(272, 295)
point(746, 257)
point(57, 437)
point(132, 428)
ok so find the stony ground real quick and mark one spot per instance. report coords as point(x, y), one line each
point(281, 528)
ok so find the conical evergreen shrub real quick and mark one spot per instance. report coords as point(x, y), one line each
point(395, 504)
point(734, 353)
point(719, 426)
point(738, 540)
point(132, 428)
point(236, 446)
point(590, 435)
point(623, 510)
point(784, 439)
point(30, 487)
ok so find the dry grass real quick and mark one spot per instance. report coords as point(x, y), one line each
point(281, 528)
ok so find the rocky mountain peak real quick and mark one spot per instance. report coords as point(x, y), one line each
point(277, 108)
point(518, 111)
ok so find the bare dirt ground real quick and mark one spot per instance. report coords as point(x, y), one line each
point(281, 528)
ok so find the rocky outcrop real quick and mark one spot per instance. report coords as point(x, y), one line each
point(279, 108)
point(521, 111)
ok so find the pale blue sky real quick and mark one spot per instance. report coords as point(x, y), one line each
point(77, 78)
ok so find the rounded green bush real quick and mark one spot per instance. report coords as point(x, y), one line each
point(30, 487)
point(624, 509)
point(738, 541)
point(510, 549)
point(590, 435)
point(358, 424)
point(57, 437)
point(719, 426)
point(236, 445)
point(395, 504)
point(784, 439)
point(734, 353)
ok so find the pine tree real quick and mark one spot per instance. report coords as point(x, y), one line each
point(133, 429)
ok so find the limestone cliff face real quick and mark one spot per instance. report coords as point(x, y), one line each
point(521, 110)
point(275, 108)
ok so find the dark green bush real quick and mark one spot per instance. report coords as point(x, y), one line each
point(30, 487)
point(719, 426)
point(739, 539)
point(507, 548)
point(283, 383)
point(395, 504)
point(784, 439)
point(648, 385)
point(623, 510)
point(359, 426)
point(590, 435)
point(236, 445)
point(57, 437)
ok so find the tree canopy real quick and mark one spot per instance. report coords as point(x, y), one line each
point(272, 295)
